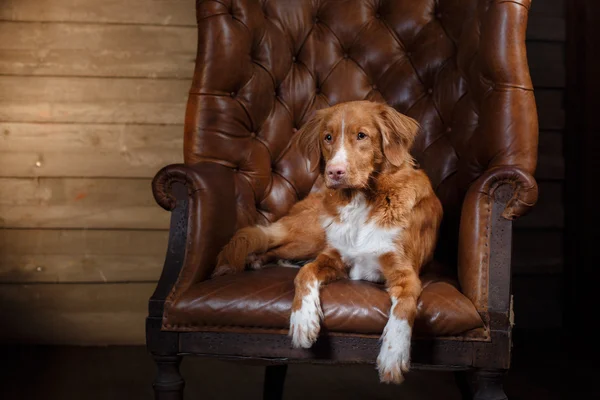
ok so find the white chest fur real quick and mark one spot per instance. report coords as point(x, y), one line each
point(360, 241)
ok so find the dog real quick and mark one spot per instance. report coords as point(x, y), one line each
point(376, 219)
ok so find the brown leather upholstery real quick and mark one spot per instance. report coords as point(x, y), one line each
point(457, 66)
point(475, 234)
point(263, 299)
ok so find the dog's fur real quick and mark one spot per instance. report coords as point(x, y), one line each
point(377, 220)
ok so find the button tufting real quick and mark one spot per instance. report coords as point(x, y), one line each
point(374, 87)
point(377, 15)
point(294, 130)
point(448, 129)
point(345, 55)
point(294, 59)
point(318, 89)
point(408, 53)
point(430, 90)
point(232, 94)
point(253, 134)
point(316, 19)
point(438, 15)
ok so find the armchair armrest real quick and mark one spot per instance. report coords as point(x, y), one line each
point(202, 200)
point(506, 142)
point(497, 197)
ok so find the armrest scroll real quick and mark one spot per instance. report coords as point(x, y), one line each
point(499, 196)
point(202, 200)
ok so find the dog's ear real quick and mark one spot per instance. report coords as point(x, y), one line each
point(308, 140)
point(398, 133)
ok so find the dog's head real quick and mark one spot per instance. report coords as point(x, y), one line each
point(356, 139)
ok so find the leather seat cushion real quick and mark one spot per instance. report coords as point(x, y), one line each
point(262, 299)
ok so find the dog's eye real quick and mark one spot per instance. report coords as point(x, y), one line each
point(361, 135)
point(328, 138)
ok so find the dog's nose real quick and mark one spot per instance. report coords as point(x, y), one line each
point(336, 171)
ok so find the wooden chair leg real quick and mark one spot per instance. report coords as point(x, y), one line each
point(168, 384)
point(489, 385)
point(463, 384)
point(274, 382)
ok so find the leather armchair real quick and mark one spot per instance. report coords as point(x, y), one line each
point(457, 66)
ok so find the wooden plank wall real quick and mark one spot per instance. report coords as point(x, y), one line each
point(92, 99)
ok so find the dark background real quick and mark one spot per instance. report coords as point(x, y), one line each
point(539, 251)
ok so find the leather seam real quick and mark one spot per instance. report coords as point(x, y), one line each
point(260, 140)
point(514, 2)
point(439, 71)
point(285, 106)
point(252, 123)
point(486, 268)
point(293, 188)
point(212, 15)
point(451, 173)
point(509, 87)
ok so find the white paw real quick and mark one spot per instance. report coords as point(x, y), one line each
point(305, 323)
point(394, 356)
point(254, 261)
point(287, 264)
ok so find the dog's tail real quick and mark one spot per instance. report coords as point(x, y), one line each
point(249, 240)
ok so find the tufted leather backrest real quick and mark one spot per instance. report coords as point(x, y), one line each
point(457, 66)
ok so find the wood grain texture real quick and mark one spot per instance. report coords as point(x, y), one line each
point(74, 314)
point(163, 12)
point(61, 49)
point(66, 256)
point(79, 203)
point(88, 150)
point(84, 49)
point(53, 255)
point(97, 100)
point(92, 100)
point(159, 12)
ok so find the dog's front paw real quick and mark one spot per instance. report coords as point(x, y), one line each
point(394, 356)
point(304, 328)
point(224, 270)
point(305, 322)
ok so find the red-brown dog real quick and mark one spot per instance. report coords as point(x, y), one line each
point(377, 220)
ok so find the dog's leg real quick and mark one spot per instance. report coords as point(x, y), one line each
point(305, 321)
point(283, 240)
point(404, 287)
point(256, 260)
point(303, 247)
point(246, 244)
point(298, 235)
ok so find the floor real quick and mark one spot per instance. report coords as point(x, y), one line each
point(67, 373)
